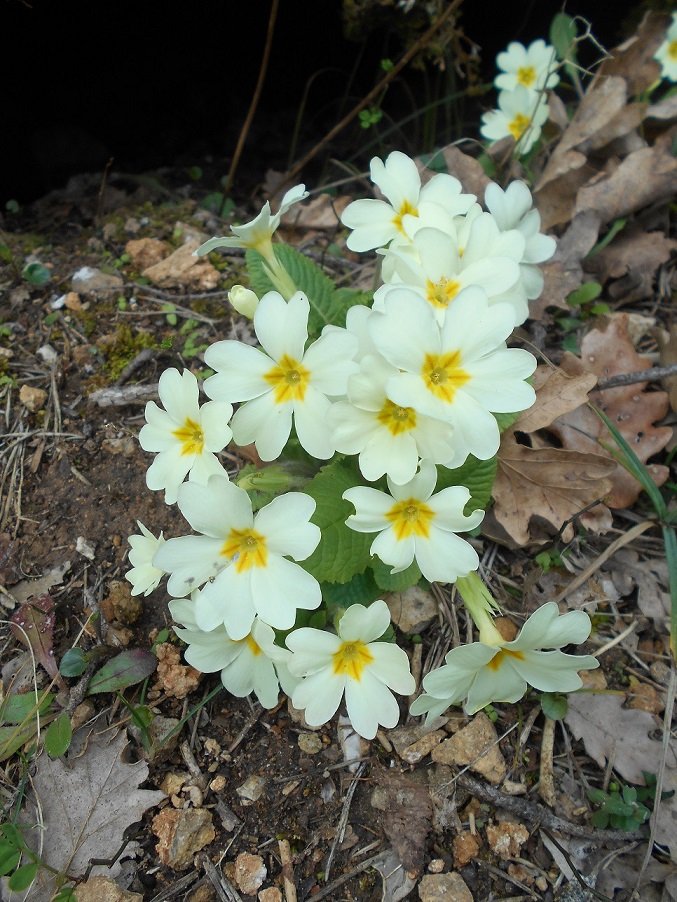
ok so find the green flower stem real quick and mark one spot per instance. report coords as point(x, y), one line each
point(481, 606)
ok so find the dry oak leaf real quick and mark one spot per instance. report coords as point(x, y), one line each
point(466, 169)
point(551, 483)
point(564, 272)
point(609, 352)
point(634, 59)
point(87, 804)
point(632, 258)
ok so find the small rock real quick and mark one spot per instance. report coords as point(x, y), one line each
point(466, 747)
point(218, 784)
point(181, 835)
point(310, 743)
point(177, 680)
point(47, 354)
point(119, 604)
point(436, 866)
point(593, 679)
point(252, 789)
point(415, 752)
point(644, 697)
point(173, 782)
point(89, 280)
point(519, 872)
point(132, 226)
point(444, 888)
point(160, 728)
point(119, 636)
point(270, 894)
point(182, 269)
point(85, 548)
point(126, 446)
point(33, 399)
point(145, 252)
point(506, 839)
point(250, 872)
point(465, 848)
point(72, 302)
point(103, 889)
point(411, 610)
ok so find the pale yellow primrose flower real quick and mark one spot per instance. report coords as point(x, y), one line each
point(244, 300)
point(143, 576)
point(352, 663)
point(413, 524)
point(185, 436)
point(252, 664)
point(520, 114)
point(533, 67)
point(666, 54)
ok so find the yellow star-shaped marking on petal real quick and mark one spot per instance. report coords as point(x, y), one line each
point(246, 548)
point(410, 517)
point(405, 209)
point(191, 437)
point(526, 75)
point(441, 294)
point(351, 659)
point(443, 375)
point(289, 380)
point(504, 653)
point(397, 419)
point(518, 125)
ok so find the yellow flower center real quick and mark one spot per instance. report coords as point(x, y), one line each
point(289, 380)
point(526, 75)
point(672, 51)
point(405, 209)
point(499, 658)
point(441, 294)
point(351, 659)
point(410, 517)
point(247, 549)
point(518, 126)
point(253, 645)
point(443, 375)
point(397, 419)
point(191, 437)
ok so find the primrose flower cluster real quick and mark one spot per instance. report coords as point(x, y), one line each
point(527, 73)
point(383, 403)
point(666, 54)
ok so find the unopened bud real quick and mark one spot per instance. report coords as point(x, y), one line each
point(243, 300)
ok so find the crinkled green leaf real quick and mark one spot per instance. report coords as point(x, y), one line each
point(361, 589)
point(73, 663)
point(125, 669)
point(395, 582)
point(342, 552)
point(554, 705)
point(19, 707)
point(476, 475)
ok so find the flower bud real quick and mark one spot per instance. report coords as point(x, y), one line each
point(243, 300)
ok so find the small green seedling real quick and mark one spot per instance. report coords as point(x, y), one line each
point(618, 808)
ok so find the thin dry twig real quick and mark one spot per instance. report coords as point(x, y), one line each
point(327, 892)
point(343, 820)
point(222, 886)
point(651, 375)
point(287, 863)
point(546, 782)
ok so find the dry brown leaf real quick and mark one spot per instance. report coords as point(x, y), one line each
point(466, 169)
point(87, 803)
point(564, 272)
point(609, 352)
point(610, 731)
point(550, 483)
point(633, 258)
point(668, 357)
point(633, 59)
point(644, 177)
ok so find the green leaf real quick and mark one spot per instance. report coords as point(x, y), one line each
point(476, 475)
point(12, 738)
point(395, 582)
point(66, 894)
point(20, 707)
point(597, 796)
point(342, 552)
point(554, 705)
point(125, 669)
point(36, 274)
point(58, 736)
point(563, 33)
point(614, 229)
point(22, 878)
point(9, 858)
point(583, 295)
point(5, 253)
point(361, 589)
point(73, 663)
point(600, 819)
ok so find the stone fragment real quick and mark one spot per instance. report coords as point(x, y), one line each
point(204, 892)
point(415, 752)
point(412, 609)
point(125, 446)
point(89, 280)
point(465, 847)
point(249, 872)
point(444, 888)
point(145, 252)
point(252, 789)
point(172, 782)
point(181, 835)
point(86, 548)
point(310, 743)
point(175, 679)
point(270, 894)
point(71, 300)
point(506, 839)
point(475, 745)
point(32, 398)
point(436, 866)
point(103, 889)
point(182, 269)
point(119, 604)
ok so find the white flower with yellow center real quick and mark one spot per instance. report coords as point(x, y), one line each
point(389, 438)
point(376, 222)
point(533, 67)
point(283, 382)
point(513, 209)
point(493, 670)
point(520, 115)
point(185, 436)
point(352, 663)
point(242, 557)
point(437, 268)
point(413, 524)
point(143, 576)
point(460, 372)
point(666, 54)
point(252, 664)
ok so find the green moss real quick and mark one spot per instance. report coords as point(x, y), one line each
point(126, 345)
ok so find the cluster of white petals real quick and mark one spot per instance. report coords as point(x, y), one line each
point(478, 674)
point(527, 73)
point(666, 54)
point(144, 576)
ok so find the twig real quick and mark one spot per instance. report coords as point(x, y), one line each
point(287, 870)
point(535, 813)
point(223, 887)
point(620, 542)
point(375, 91)
point(251, 723)
point(142, 357)
point(127, 394)
point(244, 131)
point(616, 640)
point(504, 875)
point(652, 375)
point(199, 778)
point(344, 878)
point(343, 820)
point(546, 783)
point(176, 888)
